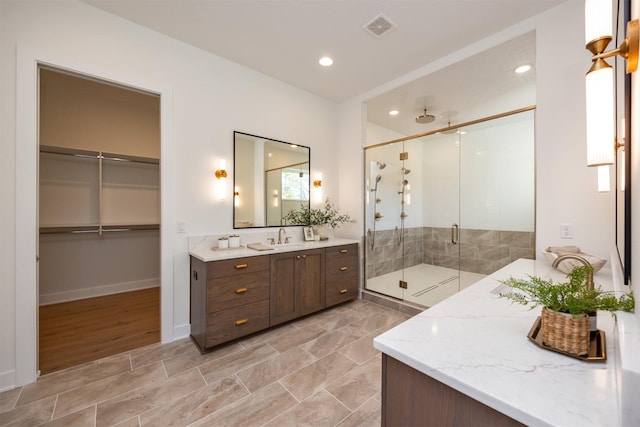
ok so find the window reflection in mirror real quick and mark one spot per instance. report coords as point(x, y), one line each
point(271, 178)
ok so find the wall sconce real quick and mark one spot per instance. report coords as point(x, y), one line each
point(599, 79)
point(603, 179)
point(317, 183)
point(221, 174)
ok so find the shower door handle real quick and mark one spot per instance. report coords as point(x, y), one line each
point(454, 234)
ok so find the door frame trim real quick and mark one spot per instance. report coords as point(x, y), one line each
point(26, 232)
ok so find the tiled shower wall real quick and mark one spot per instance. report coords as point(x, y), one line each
point(481, 251)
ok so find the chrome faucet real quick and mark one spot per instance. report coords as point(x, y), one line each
point(282, 230)
point(557, 261)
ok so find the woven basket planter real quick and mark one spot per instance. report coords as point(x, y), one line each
point(565, 332)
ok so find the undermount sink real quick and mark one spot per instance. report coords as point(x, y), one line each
point(277, 246)
point(285, 245)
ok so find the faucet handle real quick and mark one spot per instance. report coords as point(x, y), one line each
point(271, 240)
point(286, 239)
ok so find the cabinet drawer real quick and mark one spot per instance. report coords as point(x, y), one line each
point(232, 267)
point(232, 323)
point(342, 258)
point(233, 291)
point(341, 291)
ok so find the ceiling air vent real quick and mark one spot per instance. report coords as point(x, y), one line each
point(379, 26)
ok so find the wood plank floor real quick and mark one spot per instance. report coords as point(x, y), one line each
point(81, 331)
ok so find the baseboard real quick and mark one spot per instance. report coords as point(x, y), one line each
point(7, 380)
point(182, 331)
point(116, 288)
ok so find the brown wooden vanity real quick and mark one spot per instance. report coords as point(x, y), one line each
point(232, 298)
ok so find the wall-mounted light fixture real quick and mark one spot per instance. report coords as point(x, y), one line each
point(599, 80)
point(604, 179)
point(221, 174)
point(317, 184)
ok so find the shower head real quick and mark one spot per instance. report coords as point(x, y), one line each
point(425, 118)
point(405, 182)
point(378, 178)
point(406, 171)
point(381, 165)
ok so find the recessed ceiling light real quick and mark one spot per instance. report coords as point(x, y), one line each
point(325, 61)
point(394, 112)
point(522, 68)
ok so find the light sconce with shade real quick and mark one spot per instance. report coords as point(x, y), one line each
point(221, 175)
point(236, 196)
point(317, 184)
point(601, 144)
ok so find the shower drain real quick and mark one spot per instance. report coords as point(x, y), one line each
point(432, 287)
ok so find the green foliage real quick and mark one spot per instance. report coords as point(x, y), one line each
point(569, 297)
point(328, 215)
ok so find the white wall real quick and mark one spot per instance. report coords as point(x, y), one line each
point(211, 97)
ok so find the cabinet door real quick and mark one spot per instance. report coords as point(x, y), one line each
point(283, 304)
point(198, 312)
point(311, 281)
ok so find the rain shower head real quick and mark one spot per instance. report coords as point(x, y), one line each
point(381, 165)
point(425, 118)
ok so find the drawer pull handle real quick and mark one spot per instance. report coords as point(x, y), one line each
point(241, 266)
point(241, 290)
point(241, 321)
point(343, 291)
point(344, 268)
point(344, 251)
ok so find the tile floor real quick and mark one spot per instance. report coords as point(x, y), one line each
point(321, 370)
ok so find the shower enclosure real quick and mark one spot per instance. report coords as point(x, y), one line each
point(445, 209)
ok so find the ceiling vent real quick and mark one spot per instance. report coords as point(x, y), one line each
point(379, 26)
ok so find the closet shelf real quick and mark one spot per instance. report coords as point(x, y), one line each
point(97, 154)
point(97, 229)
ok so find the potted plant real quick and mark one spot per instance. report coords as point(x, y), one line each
point(566, 307)
point(328, 215)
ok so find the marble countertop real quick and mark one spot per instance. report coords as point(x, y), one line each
point(476, 342)
point(207, 251)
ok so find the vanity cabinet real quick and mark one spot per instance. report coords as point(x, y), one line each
point(297, 284)
point(411, 398)
point(341, 274)
point(229, 299)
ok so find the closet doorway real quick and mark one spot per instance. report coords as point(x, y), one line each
point(98, 217)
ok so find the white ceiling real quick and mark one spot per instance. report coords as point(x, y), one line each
point(477, 87)
point(285, 38)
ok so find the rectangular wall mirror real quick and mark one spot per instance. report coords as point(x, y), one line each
point(270, 178)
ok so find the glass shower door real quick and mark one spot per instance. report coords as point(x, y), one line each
point(384, 255)
point(439, 274)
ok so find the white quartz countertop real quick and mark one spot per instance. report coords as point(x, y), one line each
point(476, 342)
point(206, 251)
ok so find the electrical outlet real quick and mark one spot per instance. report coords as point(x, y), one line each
point(566, 231)
point(182, 227)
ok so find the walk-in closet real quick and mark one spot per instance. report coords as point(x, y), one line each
point(99, 219)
